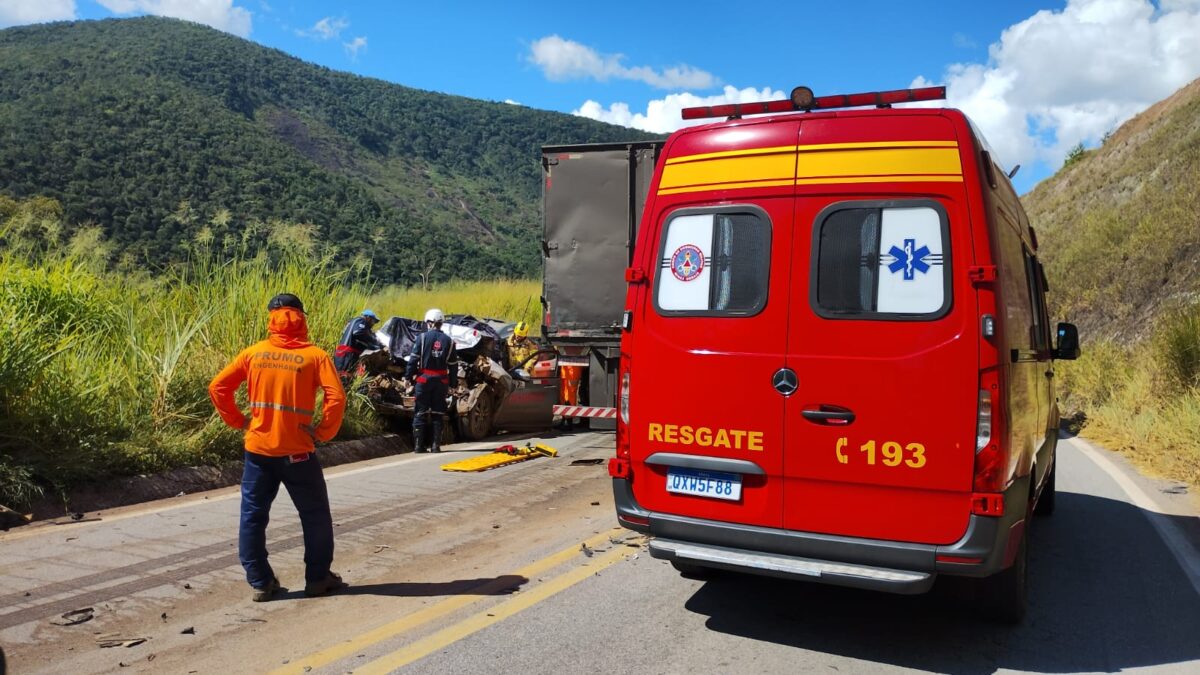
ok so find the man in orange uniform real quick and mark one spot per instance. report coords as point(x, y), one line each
point(283, 374)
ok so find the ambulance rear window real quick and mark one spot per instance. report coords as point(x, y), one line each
point(884, 260)
point(714, 262)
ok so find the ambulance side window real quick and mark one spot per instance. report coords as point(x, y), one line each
point(884, 260)
point(714, 262)
point(1037, 291)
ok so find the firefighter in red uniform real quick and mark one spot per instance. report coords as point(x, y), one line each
point(433, 366)
point(282, 375)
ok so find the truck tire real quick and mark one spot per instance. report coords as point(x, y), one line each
point(1004, 597)
point(1045, 503)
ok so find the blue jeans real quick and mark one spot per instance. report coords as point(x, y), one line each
point(305, 484)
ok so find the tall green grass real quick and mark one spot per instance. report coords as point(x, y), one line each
point(105, 373)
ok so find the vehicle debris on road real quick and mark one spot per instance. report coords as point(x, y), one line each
point(116, 640)
point(75, 617)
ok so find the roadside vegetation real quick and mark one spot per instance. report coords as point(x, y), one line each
point(104, 366)
point(1120, 237)
point(1143, 399)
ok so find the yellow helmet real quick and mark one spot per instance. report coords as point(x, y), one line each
point(522, 329)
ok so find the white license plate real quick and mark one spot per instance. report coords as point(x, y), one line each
point(715, 484)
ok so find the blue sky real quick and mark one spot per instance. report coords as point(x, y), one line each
point(1037, 77)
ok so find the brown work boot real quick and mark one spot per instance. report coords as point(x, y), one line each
point(265, 594)
point(329, 584)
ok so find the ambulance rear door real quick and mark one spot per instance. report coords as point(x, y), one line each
point(882, 341)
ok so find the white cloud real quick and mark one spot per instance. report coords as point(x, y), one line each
point(512, 102)
point(664, 115)
point(326, 29)
point(562, 59)
point(1060, 78)
point(354, 46)
point(20, 12)
point(220, 14)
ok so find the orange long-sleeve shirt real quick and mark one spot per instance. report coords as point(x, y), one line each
point(282, 375)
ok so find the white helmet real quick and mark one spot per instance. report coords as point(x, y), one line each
point(434, 315)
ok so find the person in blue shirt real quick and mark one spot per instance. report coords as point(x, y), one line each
point(357, 337)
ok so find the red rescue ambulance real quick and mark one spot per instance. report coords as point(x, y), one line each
point(836, 362)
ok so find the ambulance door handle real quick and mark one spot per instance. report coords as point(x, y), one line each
point(831, 415)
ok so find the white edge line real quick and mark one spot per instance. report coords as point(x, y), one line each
point(1183, 550)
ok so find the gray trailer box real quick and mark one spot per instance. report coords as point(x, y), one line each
point(592, 199)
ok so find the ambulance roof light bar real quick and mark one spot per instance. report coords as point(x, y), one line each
point(802, 99)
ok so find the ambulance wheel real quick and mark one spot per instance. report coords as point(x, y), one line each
point(1005, 596)
point(1045, 503)
point(690, 571)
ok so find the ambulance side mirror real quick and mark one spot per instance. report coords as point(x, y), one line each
point(1066, 345)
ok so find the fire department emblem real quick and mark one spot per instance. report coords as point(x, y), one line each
point(687, 262)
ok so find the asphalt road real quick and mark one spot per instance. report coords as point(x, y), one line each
point(521, 569)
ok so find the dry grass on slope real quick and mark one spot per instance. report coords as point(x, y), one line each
point(1120, 237)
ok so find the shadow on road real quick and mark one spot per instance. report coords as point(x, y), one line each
point(1107, 595)
point(501, 585)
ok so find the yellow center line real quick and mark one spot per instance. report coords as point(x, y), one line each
point(478, 622)
point(432, 612)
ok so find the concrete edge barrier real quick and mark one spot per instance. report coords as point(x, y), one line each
point(137, 489)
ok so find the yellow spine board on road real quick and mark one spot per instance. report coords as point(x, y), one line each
point(498, 459)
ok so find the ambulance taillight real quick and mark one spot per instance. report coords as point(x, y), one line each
point(618, 467)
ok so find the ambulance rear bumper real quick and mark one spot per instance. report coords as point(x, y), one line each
point(791, 567)
point(895, 566)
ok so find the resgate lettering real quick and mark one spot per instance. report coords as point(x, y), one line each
point(734, 439)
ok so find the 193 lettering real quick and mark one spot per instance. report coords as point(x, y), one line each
point(888, 453)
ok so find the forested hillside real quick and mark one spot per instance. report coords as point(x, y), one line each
point(165, 132)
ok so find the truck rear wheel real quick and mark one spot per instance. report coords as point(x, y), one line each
point(1005, 596)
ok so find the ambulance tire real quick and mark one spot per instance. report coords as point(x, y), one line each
point(1005, 596)
point(689, 571)
point(1045, 503)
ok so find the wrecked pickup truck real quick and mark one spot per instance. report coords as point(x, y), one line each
point(489, 397)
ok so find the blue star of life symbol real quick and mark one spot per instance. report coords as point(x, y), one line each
point(909, 260)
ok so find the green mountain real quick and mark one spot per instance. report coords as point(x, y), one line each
point(1120, 227)
point(166, 133)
